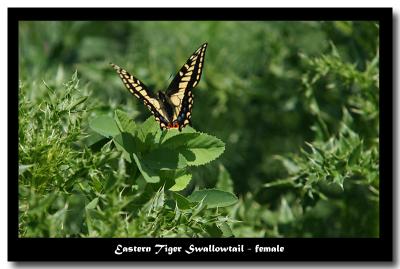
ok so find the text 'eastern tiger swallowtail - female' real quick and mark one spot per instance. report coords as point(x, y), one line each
point(172, 108)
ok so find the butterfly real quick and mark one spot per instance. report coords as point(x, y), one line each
point(172, 108)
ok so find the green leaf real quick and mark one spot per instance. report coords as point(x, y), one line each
point(167, 134)
point(213, 198)
point(182, 179)
point(92, 204)
point(197, 148)
point(127, 143)
point(355, 154)
point(125, 123)
point(178, 140)
point(200, 207)
point(147, 130)
point(338, 178)
point(105, 126)
point(181, 201)
point(158, 200)
point(213, 230)
point(148, 174)
point(226, 230)
point(163, 158)
point(93, 139)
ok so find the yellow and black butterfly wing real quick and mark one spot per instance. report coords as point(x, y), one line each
point(138, 89)
point(179, 91)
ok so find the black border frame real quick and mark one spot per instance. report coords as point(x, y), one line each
point(296, 249)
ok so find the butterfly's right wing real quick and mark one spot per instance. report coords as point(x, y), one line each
point(179, 91)
point(138, 89)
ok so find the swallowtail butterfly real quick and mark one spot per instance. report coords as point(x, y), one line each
point(172, 108)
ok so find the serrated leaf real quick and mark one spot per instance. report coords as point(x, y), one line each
point(197, 148)
point(147, 130)
point(178, 140)
point(181, 201)
point(127, 143)
point(198, 209)
point(167, 134)
point(181, 181)
point(125, 123)
point(163, 158)
point(213, 198)
point(148, 174)
point(206, 148)
point(158, 200)
point(105, 126)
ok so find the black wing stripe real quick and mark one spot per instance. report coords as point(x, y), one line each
point(190, 72)
point(138, 89)
point(179, 91)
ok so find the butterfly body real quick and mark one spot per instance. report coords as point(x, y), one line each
point(172, 108)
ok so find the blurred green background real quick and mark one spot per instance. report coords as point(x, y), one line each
point(268, 89)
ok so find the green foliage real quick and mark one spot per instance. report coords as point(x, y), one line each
point(115, 183)
point(213, 198)
point(295, 104)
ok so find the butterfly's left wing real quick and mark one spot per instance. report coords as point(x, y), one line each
point(179, 91)
point(143, 93)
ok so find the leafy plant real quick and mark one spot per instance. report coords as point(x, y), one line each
point(124, 175)
point(339, 165)
point(161, 160)
point(295, 104)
